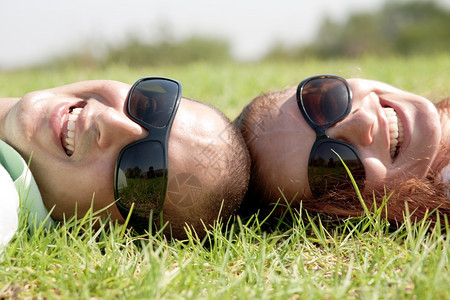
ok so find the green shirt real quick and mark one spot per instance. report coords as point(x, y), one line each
point(18, 194)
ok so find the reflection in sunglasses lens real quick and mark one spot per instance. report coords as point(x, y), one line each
point(141, 177)
point(327, 173)
point(153, 101)
point(325, 100)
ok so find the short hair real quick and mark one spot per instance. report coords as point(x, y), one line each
point(229, 187)
point(422, 195)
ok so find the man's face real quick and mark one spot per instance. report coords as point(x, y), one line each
point(74, 134)
point(282, 139)
point(37, 126)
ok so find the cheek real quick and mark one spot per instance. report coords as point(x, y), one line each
point(286, 170)
point(70, 188)
point(376, 174)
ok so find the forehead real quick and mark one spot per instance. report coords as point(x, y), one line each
point(280, 141)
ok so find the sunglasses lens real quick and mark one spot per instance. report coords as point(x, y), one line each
point(153, 101)
point(325, 100)
point(141, 177)
point(326, 172)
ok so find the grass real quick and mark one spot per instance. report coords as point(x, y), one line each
point(302, 256)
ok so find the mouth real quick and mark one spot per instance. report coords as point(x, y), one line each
point(396, 131)
point(68, 128)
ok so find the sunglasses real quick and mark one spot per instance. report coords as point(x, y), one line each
point(325, 100)
point(140, 176)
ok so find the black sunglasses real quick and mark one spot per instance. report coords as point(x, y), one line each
point(325, 100)
point(140, 176)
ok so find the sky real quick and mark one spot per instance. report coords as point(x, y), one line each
point(36, 30)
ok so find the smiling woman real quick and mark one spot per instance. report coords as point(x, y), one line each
point(82, 138)
point(392, 141)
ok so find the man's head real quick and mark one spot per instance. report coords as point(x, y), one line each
point(208, 161)
point(209, 167)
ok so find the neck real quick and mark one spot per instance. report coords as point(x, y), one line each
point(5, 106)
point(443, 158)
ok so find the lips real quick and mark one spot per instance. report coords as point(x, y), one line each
point(68, 129)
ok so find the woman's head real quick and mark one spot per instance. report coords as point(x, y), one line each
point(72, 179)
point(280, 139)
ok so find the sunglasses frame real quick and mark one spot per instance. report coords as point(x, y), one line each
point(158, 134)
point(320, 130)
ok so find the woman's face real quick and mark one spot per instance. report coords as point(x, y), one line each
point(283, 139)
point(91, 115)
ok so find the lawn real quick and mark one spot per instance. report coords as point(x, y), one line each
point(301, 256)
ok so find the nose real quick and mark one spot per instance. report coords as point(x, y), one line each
point(115, 129)
point(357, 128)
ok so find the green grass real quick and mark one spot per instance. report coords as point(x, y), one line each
point(302, 256)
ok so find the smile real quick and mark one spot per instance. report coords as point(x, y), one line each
point(396, 132)
point(68, 129)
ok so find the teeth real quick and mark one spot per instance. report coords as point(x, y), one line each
point(69, 142)
point(395, 131)
point(76, 111)
point(71, 125)
point(73, 117)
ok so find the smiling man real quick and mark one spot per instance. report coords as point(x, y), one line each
point(188, 160)
point(388, 138)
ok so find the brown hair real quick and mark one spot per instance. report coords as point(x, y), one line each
point(421, 195)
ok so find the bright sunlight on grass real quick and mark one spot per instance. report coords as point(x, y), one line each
point(302, 256)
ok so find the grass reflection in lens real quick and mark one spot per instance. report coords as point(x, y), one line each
point(327, 173)
point(141, 179)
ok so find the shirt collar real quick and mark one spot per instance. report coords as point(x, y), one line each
point(30, 198)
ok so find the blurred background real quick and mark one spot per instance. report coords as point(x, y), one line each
point(55, 33)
